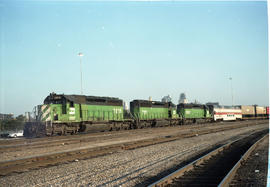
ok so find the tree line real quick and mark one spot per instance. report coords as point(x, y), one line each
point(13, 124)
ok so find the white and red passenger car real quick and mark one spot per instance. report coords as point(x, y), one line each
point(227, 113)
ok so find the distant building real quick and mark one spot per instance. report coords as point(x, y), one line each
point(6, 116)
point(166, 99)
point(182, 98)
point(150, 98)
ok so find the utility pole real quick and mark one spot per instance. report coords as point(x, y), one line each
point(231, 89)
point(81, 55)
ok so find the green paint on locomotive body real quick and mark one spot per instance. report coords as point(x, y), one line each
point(193, 112)
point(150, 110)
point(149, 113)
point(102, 113)
point(66, 111)
point(59, 113)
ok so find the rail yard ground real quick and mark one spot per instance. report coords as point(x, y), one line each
point(127, 158)
point(253, 171)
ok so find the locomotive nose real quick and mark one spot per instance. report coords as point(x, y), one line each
point(45, 113)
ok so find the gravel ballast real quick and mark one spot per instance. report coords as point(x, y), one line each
point(40, 146)
point(125, 168)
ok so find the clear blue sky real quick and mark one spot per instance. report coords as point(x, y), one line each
point(133, 50)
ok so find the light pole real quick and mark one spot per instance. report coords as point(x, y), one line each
point(231, 89)
point(81, 55)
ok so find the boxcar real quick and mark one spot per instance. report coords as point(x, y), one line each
point(248, 111)
point(260, 111)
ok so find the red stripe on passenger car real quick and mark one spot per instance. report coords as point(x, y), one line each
point(224, 113)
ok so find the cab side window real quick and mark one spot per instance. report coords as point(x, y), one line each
point(56, 117)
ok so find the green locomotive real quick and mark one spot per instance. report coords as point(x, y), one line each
point(192, 113)
point(153, 113)
point(62, 114)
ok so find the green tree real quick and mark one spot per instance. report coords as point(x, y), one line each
point(13, 124)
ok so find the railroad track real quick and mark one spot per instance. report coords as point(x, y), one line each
point(8, 146)
point(45, 160)
point(216, 168)
point(29, 163)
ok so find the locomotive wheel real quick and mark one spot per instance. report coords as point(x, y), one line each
point(64, 130)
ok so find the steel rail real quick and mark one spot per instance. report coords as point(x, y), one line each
point(49, 159)
point(73, 140)
point(180, 172)
point(43, 160)
point(229, 177)
point(6, 145)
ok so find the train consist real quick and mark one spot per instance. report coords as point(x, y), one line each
point(62, 114)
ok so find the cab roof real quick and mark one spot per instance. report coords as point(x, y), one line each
point(82, 99)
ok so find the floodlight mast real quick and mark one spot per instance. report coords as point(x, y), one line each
point(81, 55)
point(231, 89)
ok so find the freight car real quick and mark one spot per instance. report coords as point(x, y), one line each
point(260, 111)
point(267, 112)
point(254, 112)
point(248, 112)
